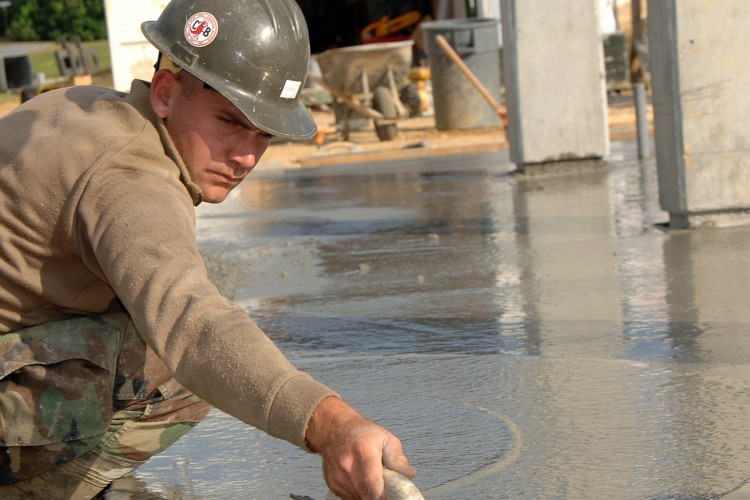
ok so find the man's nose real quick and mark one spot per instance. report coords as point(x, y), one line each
point(248, 149)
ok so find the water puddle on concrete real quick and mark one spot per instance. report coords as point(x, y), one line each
point(525, 336)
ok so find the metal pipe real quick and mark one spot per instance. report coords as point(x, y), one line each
point(641, 119)
point(442, 9)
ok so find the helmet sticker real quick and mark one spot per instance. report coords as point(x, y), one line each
point(201, 29)
point(291, 87)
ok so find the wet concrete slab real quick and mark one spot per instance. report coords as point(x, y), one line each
point(529, 336)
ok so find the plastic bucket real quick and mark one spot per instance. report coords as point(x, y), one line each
point(458, 104)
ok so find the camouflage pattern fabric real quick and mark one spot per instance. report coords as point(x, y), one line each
point(86, 398)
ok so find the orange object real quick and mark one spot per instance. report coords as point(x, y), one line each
point(419, 74)
point(387, 26)
point(323, 131)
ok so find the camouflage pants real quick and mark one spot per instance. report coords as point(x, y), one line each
point(83, 402)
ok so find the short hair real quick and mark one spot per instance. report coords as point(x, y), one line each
point(186, 79)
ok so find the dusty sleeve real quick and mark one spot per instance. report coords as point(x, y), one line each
point(141, 230)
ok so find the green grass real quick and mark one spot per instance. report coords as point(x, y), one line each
point(46, 62)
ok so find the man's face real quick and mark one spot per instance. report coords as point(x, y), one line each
point(218, 144)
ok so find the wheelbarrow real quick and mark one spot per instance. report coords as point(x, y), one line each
point(366, 82)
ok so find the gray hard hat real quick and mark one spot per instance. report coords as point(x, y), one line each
point(256, 53)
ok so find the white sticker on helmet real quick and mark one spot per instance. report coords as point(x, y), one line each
point(201, 29)
point(290, 89)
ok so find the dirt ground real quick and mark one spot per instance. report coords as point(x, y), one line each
point(417, 136)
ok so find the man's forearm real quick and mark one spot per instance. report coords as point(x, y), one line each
point(329, 417)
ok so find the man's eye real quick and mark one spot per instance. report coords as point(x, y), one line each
point(228, 121)
point(235, 123)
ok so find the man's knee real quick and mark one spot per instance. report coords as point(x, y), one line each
point(55, 393)
point(136, 433)
point(142, 429)
point(127, 405)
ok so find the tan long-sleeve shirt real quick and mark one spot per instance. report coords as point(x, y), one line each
point(96, 204)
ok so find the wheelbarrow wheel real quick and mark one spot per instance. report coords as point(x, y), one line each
point(383, 102)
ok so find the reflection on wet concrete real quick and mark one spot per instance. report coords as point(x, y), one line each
point(526, 336)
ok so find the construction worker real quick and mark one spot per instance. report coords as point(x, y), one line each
point(113, 341)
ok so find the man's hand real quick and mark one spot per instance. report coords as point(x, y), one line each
point(354, 450)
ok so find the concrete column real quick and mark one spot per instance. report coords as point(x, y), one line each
point(553, 63)
point(700, 77)
point(132, 55)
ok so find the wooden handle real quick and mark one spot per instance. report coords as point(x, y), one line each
point(347, 99)
point(470, 75)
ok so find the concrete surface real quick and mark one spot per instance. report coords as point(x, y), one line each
point(526, 336)
point(742, 493)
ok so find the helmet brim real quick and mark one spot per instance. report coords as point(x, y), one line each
point(294, 122)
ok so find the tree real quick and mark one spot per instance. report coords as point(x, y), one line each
point(33, 20)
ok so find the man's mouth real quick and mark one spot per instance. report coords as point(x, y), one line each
point(227, 179)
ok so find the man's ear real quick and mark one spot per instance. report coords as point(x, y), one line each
point(163, 89)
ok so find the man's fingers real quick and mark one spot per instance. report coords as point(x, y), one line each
point(369, 483)
point(338, 482)
point(394, 459)
point(372, 485)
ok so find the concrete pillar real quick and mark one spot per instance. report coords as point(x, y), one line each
point(132, 55)
point(555, 82)
point(700, 78)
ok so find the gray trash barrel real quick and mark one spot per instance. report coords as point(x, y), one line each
point(458, 104)
point(15, 73)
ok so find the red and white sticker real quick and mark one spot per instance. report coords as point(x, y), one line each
point(201, 29)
